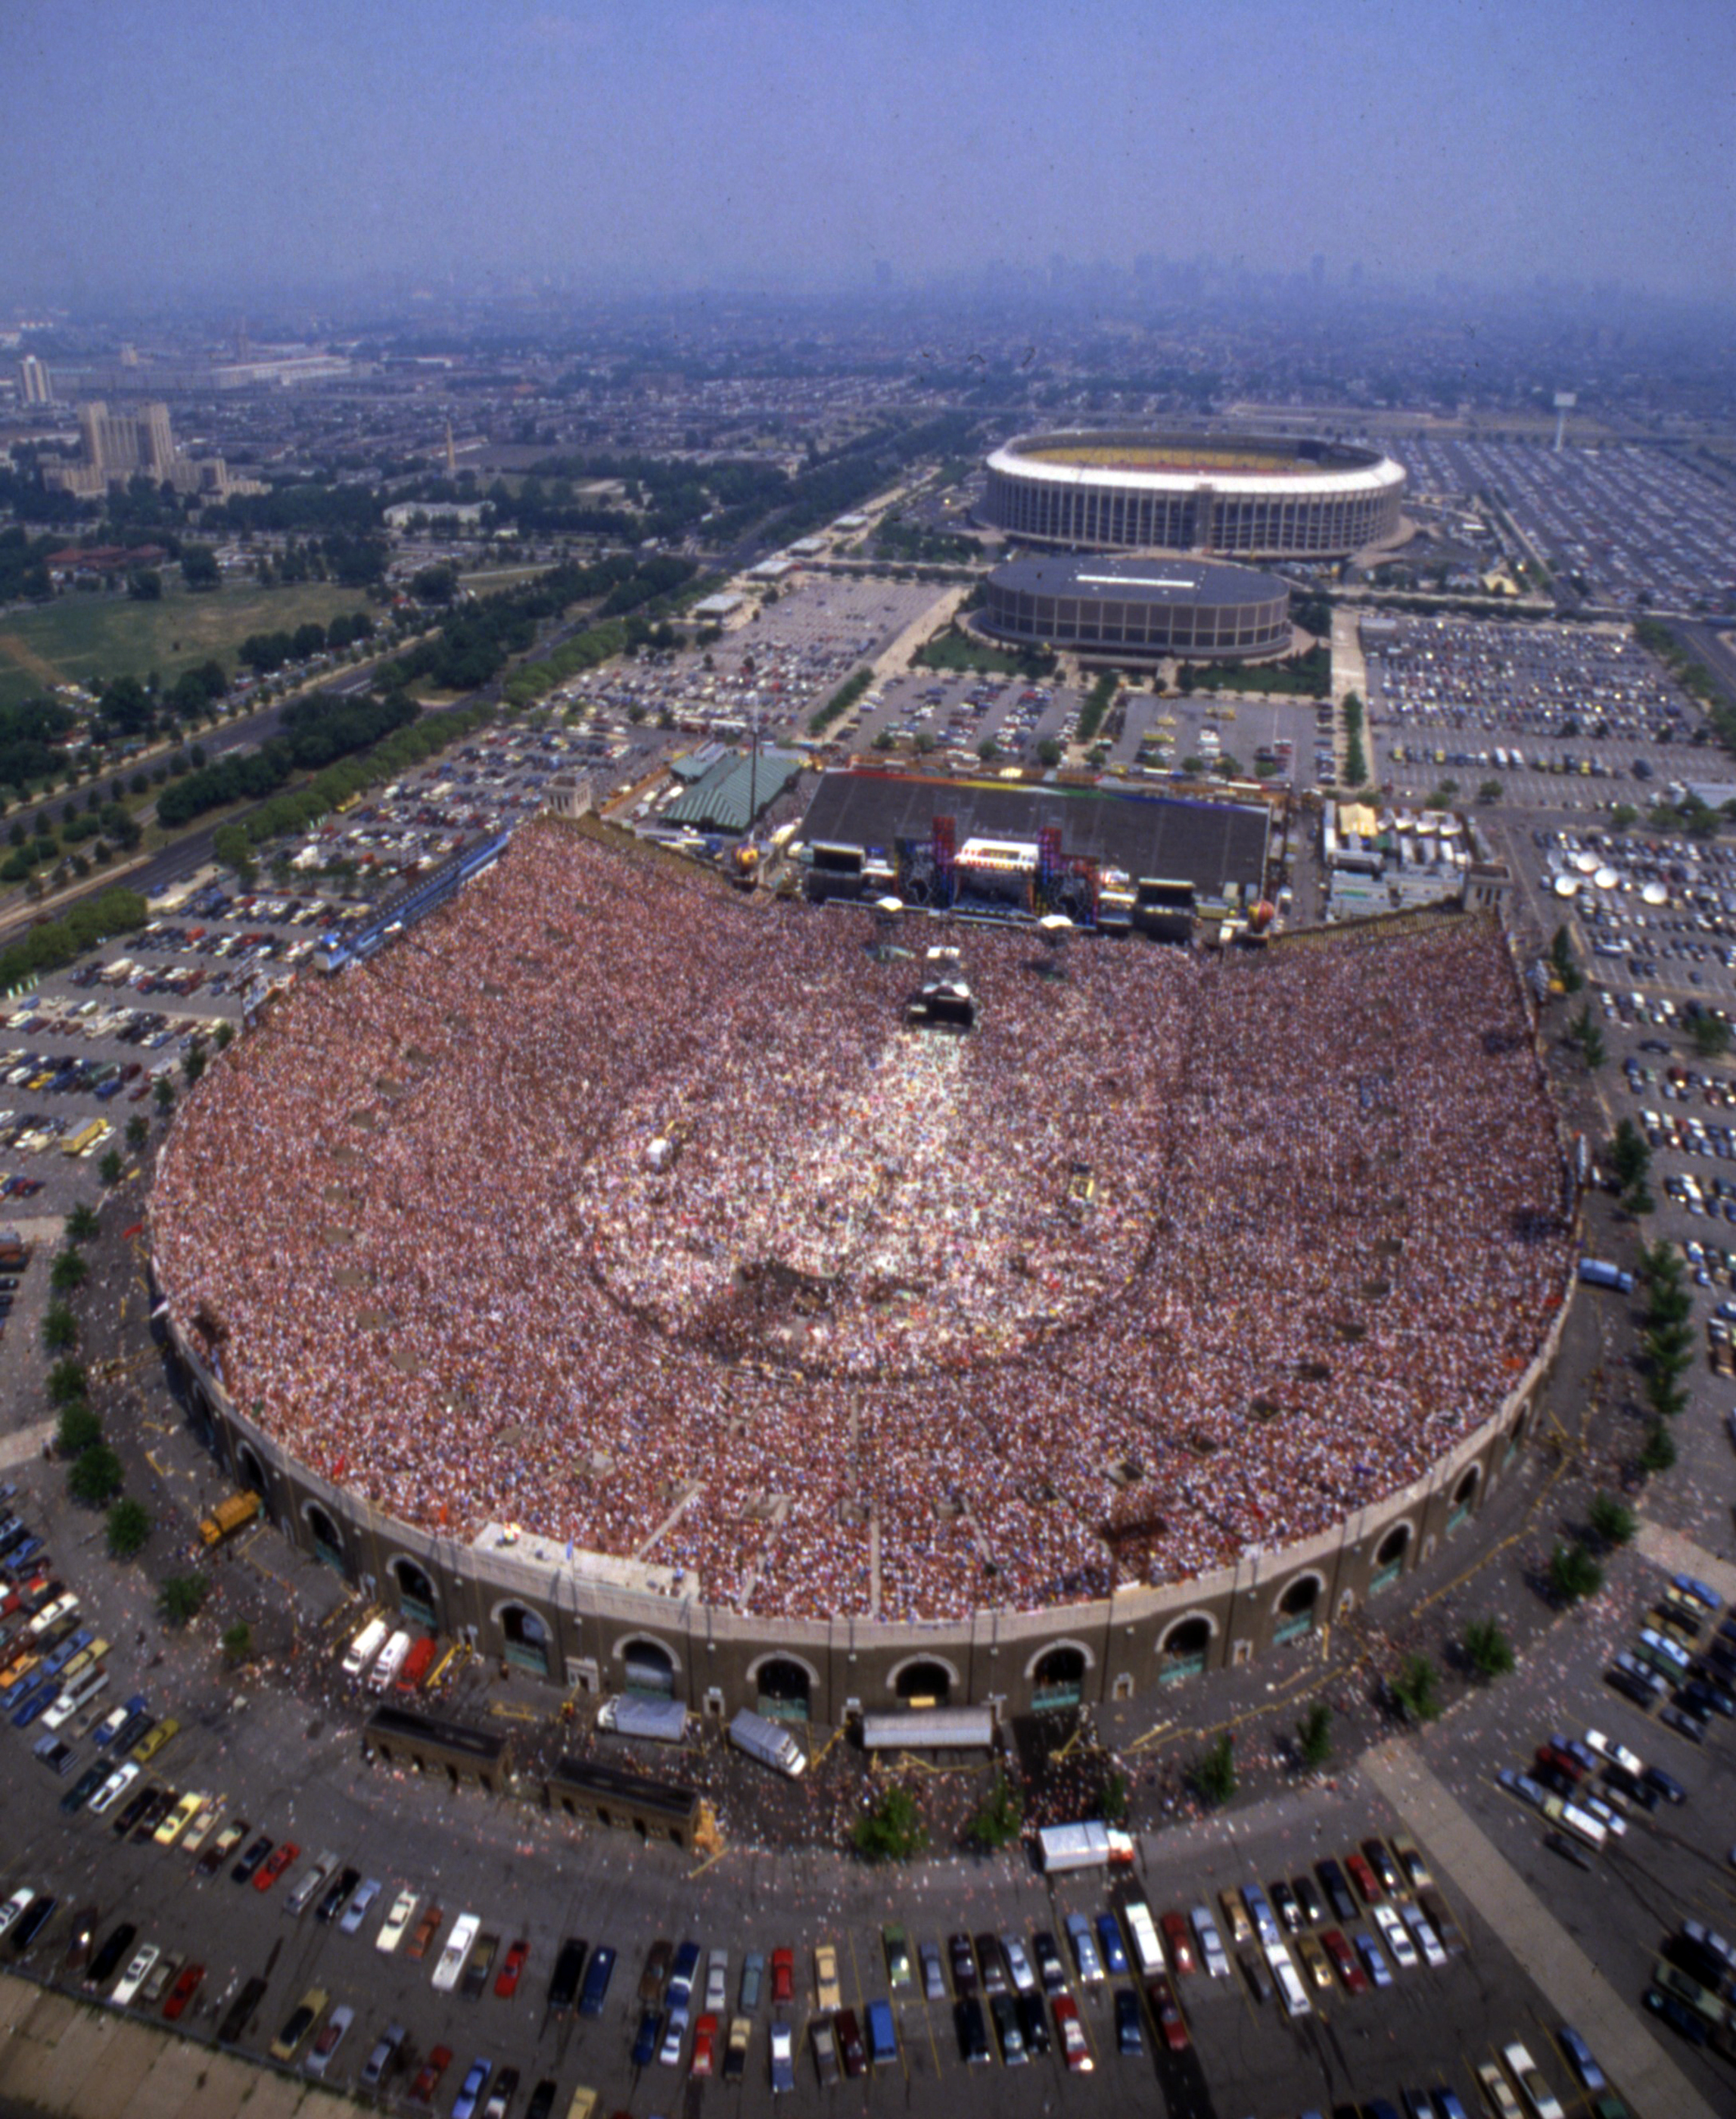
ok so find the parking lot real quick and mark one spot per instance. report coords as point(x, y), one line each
point(1574, 717)
point(1637, 525)
point(1392, 1984)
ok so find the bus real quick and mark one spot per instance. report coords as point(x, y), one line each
point(86, 1137)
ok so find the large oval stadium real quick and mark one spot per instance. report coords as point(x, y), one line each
point(618, 1272)
point(1249, 497)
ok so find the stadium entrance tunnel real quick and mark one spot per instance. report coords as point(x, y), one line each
point(1186, 1647)
point(1299, 1609)
point(416, 1593)
point(925, 1685)
point(1058, 1680)
point(525, 1639)
point(785, 1691)
point(328, 1544)
point(651, 1671)
point(1389, 1559)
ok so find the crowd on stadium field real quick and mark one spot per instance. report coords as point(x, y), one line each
point(612, 1204)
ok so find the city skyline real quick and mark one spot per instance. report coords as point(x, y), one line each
point(722, 145)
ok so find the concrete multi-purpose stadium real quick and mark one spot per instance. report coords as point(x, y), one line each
point(1252, 497)
point(636, 1279)
point(1138, 609)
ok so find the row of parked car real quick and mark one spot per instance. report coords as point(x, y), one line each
point(1683, 1664)
point(387, 1659)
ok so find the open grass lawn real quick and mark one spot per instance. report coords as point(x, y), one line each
point(956, 651)
point(78, 638)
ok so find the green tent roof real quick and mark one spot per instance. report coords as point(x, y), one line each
point(719, 802)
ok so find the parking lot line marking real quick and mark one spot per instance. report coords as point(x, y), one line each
point(1559, 1968)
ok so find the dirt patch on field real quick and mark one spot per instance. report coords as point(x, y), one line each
point(15, 651)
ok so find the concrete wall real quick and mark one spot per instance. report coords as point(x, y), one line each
point(1126, 1644)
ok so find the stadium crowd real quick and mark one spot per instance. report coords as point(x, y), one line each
point(611, 1204)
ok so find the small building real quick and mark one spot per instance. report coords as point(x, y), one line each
point(623, 1801)
point(720, 608)
point(398, 1737)
point(568, 795)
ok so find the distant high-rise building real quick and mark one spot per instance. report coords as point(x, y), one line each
point(117, 447)
point(34, 382)
point(122, 444)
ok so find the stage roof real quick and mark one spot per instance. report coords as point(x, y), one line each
point(1208, 844)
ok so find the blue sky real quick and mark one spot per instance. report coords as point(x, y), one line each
point(728, 141)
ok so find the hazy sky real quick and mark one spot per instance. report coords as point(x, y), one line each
point(728, 141)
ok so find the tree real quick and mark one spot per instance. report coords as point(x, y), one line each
point(82, 1223)
point(1612, 1522)
point(1049, 753)
point(1489, 1650)
point(1573, 1574)
point(59, 1329)
point(1314, 1736)
point(128, 1526)
point(163, 1094)
point(238, 1641)
point(223, 1037)
point(1623, 817)
point(145, 585)
point(110, 1167)
point(77, 1430)
point(1593, 1051)
point(1112, 1803)
point(1416, 1689)
point(193, 1065)
point(988, 750)
point(234, 849)
point(199, 567)
point(137, 1133)
point(1489, 790)
point(97, 1476)
point(1213, 1775)
point(1560, 955)
point(1658, 1452)
point(71, 1269)
point(892, 1831)
point(1708, 1034)
point(999, 1818)
point(182, 1599)
point(67, 1383)
point(1630, 1162)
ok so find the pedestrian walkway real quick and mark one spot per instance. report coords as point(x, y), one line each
point(73, 2059)
point(1649, 2078)
point(1676, 1552)
point(19, 1449)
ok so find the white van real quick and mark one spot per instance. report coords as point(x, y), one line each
point(1143, 1929)
point(365, 1648)
point(389, 1663)
point(1288, 1979)
point(457, 1948)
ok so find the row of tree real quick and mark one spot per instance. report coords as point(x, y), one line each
point(314, 732)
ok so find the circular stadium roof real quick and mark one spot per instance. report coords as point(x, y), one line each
point(1108, 578)
point(1230, 465)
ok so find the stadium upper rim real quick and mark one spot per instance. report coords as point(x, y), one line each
point(1293, 469)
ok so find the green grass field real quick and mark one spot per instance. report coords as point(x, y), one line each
point(78, 638)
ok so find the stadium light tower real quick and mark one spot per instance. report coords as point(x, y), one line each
point(1565, 401)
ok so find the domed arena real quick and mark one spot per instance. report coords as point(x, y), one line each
point(615, 1205)
point(1252, 497)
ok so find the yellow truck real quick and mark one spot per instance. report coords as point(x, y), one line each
point(228, 1517)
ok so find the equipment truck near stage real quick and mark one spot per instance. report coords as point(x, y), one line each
point(228, 1517)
